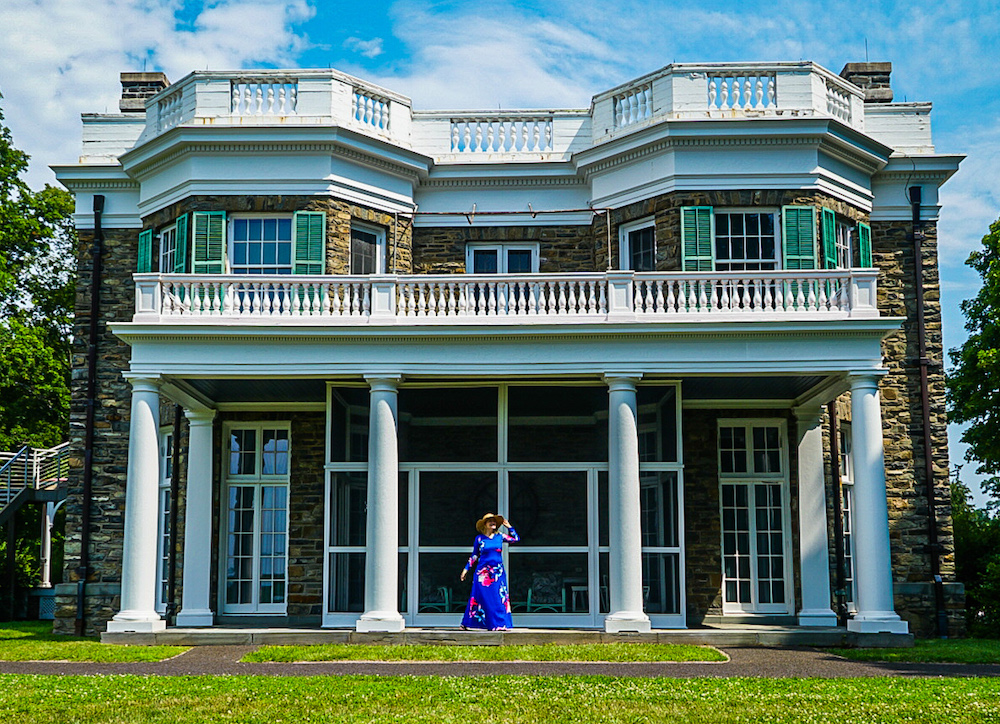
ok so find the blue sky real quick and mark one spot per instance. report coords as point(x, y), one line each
point(59, 58)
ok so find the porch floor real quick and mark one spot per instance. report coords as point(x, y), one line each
point(719, 635)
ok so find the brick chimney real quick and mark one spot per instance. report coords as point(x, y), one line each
point(872, 78)
point(137, 87)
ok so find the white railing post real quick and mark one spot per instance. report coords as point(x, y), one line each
point(148, 296)
point(620, 295)
point(862, 294)
point(383, 304)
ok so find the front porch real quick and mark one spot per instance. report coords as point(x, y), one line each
point(717, 635)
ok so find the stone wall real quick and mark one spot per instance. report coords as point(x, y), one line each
point(560, 248)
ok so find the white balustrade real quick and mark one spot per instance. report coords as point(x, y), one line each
point(169, 111)
point(502, 134)
point(634, 105)
point(370, 109)
point(264, 97)
point(744, 92)
point(523, 299)
point(838, 102)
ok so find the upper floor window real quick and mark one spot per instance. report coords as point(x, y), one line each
point(367, 250)
point(501, 258)
point(637, 244)
point(168, 249)
point(844, 245)
point(745, 241)
point(260, 245)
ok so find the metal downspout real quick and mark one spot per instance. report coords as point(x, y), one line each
point(933, 544)
point(83, 570)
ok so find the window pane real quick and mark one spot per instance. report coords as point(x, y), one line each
point(485, 261)
point(642, 249)
point(519, 261)
point(661, 582)
point(348, 508)
point(548, 582)
point(456, 424)
point(450, 505)
point(364, 250)
point(549, 508)
point(658, 502)
point(558, 423)
point(347, 582)
point(439, 589)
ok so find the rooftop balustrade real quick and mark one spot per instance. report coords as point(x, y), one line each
point(515, 299)
point(676, 92)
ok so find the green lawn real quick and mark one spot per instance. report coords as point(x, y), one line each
point(34, 641)
point(507, 699)
point(544, 652)
point(955, 651)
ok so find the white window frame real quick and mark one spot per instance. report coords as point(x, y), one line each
point(847, 510)
point(168, 235)
point(231, 220)
point(380, 246)
point(164, 509)
point(844, 243)
point(625, 232)
point(779, 255)
point(258, 480)
point(501, 250)
point(750, 479)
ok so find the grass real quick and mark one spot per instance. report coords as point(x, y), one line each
point(508, 699)
point(34, 641)
point(934, 651)
point(544, 652)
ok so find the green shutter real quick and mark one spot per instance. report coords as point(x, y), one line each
point(180, 254)
point(308, 242)
point(145, 263)
point(697, 235)
point(799, 227)
point(828, 223)
point(865, 245)
point(208, 242)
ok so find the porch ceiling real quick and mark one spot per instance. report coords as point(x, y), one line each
point(242, 390)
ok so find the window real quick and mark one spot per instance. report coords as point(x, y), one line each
point(748, 239)
point(367, 250)
point(260, 245)
point(637, 243)
point(845, 245)
point(501, 258)
point(745, 241)
point(755, 512)
point(256, 522)
point(168, 249)
point(163, 520)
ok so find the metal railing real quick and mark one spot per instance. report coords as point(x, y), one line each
point(32, 468)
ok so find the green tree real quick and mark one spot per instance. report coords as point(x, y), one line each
point(36, 304)
point(974, 382)
point(977, 561)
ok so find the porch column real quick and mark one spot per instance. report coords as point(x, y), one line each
point(138, 596)
point(873, 564)
point(814, 545)
point(625, 559)
point(196, 609)
point(382, 544)
point(45, 557)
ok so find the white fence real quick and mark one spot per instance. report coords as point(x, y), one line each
point(498, 299)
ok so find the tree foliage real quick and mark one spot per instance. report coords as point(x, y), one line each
point(36, 304)
point(977, 561)
point(974, 383)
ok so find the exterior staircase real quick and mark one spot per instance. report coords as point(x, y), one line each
point(32, 475)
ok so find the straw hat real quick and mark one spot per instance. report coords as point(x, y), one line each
point(481, 523)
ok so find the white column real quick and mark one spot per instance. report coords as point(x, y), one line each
point(814, 543)
point(138, 597)
point(48, 517)
point(625, 558)
point(381, 542)
point(196, 609)
point(873, 563)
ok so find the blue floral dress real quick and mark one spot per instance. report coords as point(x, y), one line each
point(489, 603)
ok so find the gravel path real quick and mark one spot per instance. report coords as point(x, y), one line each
point(763, 662)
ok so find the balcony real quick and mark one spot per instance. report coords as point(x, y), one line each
point(496, 300)
point(676, 92)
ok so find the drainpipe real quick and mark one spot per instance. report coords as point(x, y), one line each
point(83, 570)
point(175, 484)
point(838, 516)
point(933, 544)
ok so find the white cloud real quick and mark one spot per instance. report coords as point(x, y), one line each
point(368, 48)
point(59, 58)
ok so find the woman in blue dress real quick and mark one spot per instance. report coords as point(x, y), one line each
point(489, 603)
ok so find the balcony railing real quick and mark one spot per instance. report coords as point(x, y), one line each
point(506, 299)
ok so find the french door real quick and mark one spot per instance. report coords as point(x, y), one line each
point(256, 519)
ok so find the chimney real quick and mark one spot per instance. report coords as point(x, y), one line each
point(872, 78)
point(137, 87)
